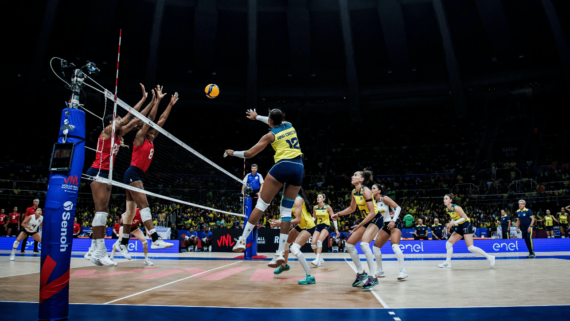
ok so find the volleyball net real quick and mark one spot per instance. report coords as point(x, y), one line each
point(178, 173)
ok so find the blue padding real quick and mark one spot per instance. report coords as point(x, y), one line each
point(287, 202)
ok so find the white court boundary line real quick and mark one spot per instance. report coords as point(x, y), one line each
point(371, 290)
point(169, 283)
point(132, 188)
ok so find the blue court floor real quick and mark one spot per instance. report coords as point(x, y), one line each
point(29, 311)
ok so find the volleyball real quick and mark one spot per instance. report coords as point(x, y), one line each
point(212, 91)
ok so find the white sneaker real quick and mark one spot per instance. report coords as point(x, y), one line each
point(277, 261)
point(240, 245)
point(315, 262)
point(87, 255)
point(445, 265)
point(320, 263)
point(36, 252)
point(160, 244)
point(93, 258)
point(402, 274)
point(124, 251)
point(492, 261)
point(380, 273)
point(12, 257)
point(105, 260)
point(148, 262)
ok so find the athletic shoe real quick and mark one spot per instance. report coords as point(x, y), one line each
point(148, 262)
point(531, 256)
point(105, 260)
point(160, 244)
point(315, 262)
point(380, 273)
point(93, 257)
point(277, 261)
point(282, 269)
point(87, 256)
point(492, 261)
point(444, 265)
point(402, 274)
point(36, 252)
point(124, 251)
point(320, 263)
point(370, 283)
point(360, 278)
point(13, 257)
point(240, 244)
point(309, 279)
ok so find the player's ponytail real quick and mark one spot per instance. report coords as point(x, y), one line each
point(305, 199)
point(277, 116)
point(367, 175)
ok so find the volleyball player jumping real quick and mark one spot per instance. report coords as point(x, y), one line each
point(363, 203)
point(463, 230)
point(143, 152)
point(288, 171)
point(30, 227)
point(101, 191)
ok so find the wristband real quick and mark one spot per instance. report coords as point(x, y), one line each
point(459, 221)
point(264, 119)
point(239, 154)
point(335, 225)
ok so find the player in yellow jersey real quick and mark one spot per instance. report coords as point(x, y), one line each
point(363, 203)
point(463, 230)
point(287, 171)
point(321, 215)
point(304, 226)
point(548, 218)
point(563, 217)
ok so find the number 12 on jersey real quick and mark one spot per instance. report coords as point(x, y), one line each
point(293, 143)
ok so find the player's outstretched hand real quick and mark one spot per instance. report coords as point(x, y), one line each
point(145, 94)
point(228, 152)
point(251, 114)
point(159, 92)
point(174, 99)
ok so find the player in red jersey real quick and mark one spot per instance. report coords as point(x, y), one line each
point(29, 212)
point(143, 151)
point(137, 232)
point(3, 222)
point(13, 222)
point(101, 190)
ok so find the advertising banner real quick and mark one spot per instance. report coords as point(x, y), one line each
point(82, 245)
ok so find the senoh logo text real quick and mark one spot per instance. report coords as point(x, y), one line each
point(67, 207)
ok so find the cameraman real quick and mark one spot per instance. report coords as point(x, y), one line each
point(254, 180)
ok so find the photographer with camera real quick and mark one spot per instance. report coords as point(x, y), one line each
point(253, 183)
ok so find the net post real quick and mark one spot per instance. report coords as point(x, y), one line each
point(59, 214)
point(251, 242)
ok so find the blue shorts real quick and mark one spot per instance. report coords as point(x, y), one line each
point(397, 224)
point(322, 227)
point(310, 230)
point(288, 171)
point(464, 228)
point(378, 220)
point(92, 171)
point(133, 174)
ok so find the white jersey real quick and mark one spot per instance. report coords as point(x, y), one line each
point(34, 223)
point(385, 210)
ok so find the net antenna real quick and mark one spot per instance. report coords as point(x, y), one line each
point(114, 110)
